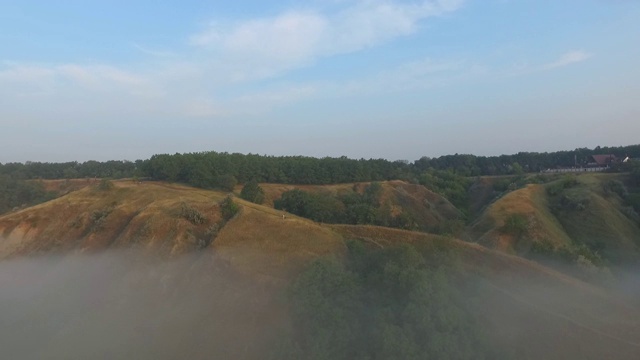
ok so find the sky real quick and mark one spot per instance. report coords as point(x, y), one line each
point(397, 79)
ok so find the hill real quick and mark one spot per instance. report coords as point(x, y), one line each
point(263, 252)
point(396, 203)
point(582, 219)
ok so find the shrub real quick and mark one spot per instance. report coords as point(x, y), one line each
point(574, 202)
point(191, 214)
point(615, 187)
point(229, 208)
point(227, 182)
point(105, 185)
point(252, 192)
point(543, 247)
point(566, 182)
point(516, 224)
point(98, 217)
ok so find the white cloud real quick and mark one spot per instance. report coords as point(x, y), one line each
point(569, 58)
point(94, 77)
point(268, 46)
point(412, 75)
point(153, 52)
point(25, 73)
point(221, 73)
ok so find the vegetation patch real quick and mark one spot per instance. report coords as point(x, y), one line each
point(105, 185)
point(557, 187)
point(615, 187)
point(392, 303)
point(98, 218)
point(191, 214)
point(516, 225)
point(353, 207)
point(252, 191)
point(585, 262)
point(453, 186)
point(16, 193)
point(229, 208)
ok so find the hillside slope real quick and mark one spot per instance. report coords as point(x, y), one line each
point(528, 309)
point(426, 209)
point(572, 217)
point(147, 216)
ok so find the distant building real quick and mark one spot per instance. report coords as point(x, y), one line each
point(602, 160)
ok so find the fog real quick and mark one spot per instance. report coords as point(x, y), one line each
point(538, 318)
point(122, 305)
point(126, 306)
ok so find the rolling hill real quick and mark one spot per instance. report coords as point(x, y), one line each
point(529, 310)
point(577, 216)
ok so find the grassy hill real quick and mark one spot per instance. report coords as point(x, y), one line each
point(427, 210)
point(529, 310)
point(582, 219)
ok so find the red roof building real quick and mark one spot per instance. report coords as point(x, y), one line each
point(602, 160)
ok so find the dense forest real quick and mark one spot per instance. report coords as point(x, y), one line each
point(16, 193)
point(447, 175)
point(393, 303)
point(214, 169)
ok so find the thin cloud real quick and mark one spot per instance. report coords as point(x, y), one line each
point(217, 75)
point(572, 57)
point(408, 76)
point(269, 46)
point(153, 52)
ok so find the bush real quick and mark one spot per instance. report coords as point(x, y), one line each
point(192, 215)
point(516, 224)
point(229, 208)
point(252, 191)
point(98, 217)
point(615, 187)
point(226, 182)
point(105, 185)
point(543, 247)
point(577, 202)
point(559, 186)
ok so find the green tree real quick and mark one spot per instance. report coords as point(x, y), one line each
point(517, 168)
point(252, 192)
point(383, 304)
point(227, 182)
point(229, 208)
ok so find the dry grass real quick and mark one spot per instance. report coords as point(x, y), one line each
point(273, 192)
point(581, 214)
point(531, 203)
point(88, 219)
point(260, 241)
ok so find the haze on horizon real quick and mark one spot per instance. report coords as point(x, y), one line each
point(364, 78)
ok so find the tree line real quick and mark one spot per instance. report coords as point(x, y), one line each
point(208, 169)
point(350, 208)
point(17, 193)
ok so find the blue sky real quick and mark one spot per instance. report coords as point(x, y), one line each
point(393, 79)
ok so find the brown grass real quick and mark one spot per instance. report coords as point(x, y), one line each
point(141, 215)
point(530, 202)
point(260, 241)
